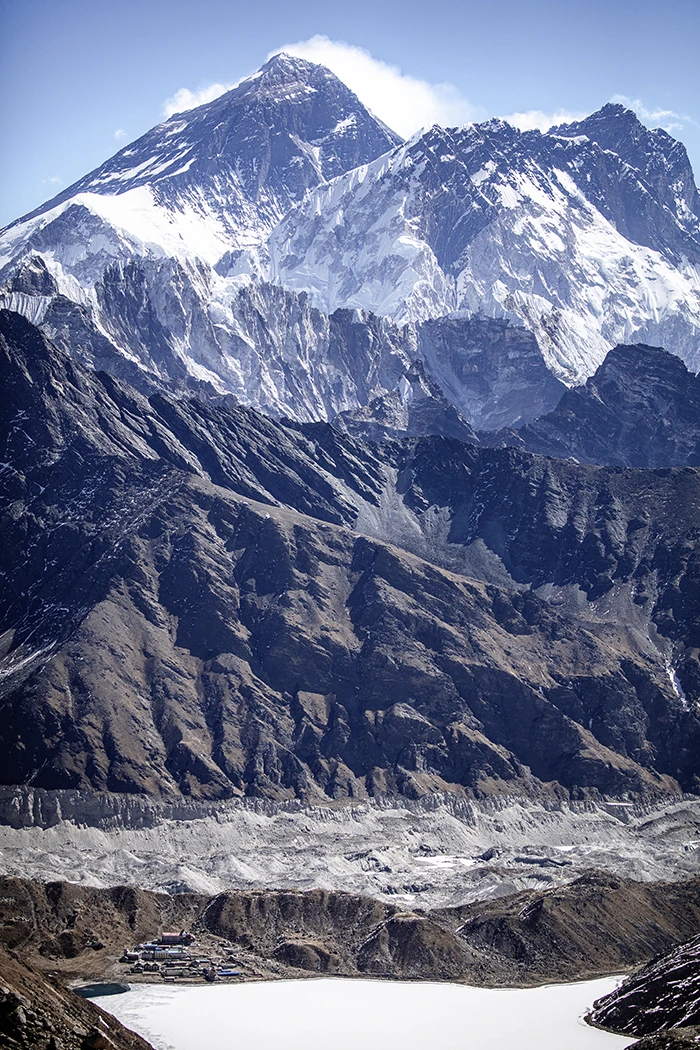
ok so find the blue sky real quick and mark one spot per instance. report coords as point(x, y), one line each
point(80, 79)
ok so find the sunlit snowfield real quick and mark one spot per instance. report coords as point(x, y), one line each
point(345, 1014)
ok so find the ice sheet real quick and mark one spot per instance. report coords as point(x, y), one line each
point(347, 1014)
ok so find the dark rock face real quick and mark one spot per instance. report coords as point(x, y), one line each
point(490, 370)
point(640, 409)
point(685, 1038)
point(663, 995)
point(416, 407)
point(660, 180)
point(187, 610)
point(462, 374)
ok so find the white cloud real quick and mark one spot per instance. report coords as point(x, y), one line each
point(538, 120)
point(120, 134)
point(184, 99)
point(657, 117)
point(403, 102)
point(53, 180)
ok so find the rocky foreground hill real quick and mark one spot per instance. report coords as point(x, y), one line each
point(596, 925)
point(38, 1012)
point(640, 409)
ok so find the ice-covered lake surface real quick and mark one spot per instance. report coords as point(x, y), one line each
point(346, 1014)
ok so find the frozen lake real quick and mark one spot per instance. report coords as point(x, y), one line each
point(345, 1014)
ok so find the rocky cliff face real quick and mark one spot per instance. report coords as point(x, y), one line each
point(159, 325)
point(415, 407)
point(490, 370)
point(188, 609)
point(640, 409)
point(461, 374)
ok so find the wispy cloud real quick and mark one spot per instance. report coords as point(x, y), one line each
point(184, 99)
point(538, 120)
point(52, 180)
point(120, 134)
point(403, 102)
point(658, 117)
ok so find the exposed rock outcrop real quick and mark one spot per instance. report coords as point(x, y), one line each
point(595, 925)
point(664, 994)
point(640, 409)
point(591, 927)
point(38, 1013)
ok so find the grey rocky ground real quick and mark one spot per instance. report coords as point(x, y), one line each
point(436, 852)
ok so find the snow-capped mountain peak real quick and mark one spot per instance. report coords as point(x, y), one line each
point(588, 235)
point(656, 157)
point(147, 255)
point(584, 245)
point(235, 165)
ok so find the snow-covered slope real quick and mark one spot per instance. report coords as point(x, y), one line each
point(555, 231)
point(212, 180)
point(148, 266)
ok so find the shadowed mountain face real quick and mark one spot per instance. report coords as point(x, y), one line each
point(664, 176)
point(189, 606)
point(640, 409)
